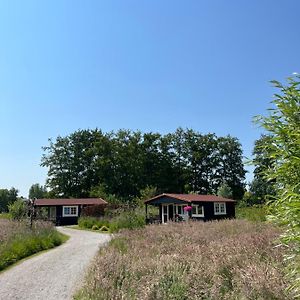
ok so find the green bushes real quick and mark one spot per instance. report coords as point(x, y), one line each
point(18, 210)
point(256, 213)
point(124, 219)
point(18, 241)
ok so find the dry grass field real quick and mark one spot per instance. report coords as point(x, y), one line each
point(231, 259)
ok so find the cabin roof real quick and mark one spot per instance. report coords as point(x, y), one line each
point(192, 198)
point(81, 201)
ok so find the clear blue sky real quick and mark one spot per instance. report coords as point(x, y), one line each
point(148, 65)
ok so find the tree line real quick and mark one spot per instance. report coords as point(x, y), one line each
point(123, 163)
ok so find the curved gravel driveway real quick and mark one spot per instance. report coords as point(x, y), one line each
point(56, 274)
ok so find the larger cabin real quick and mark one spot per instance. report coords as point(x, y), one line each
point(65, 211)
point(173, 207)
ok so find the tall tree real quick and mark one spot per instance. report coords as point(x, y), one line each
point(230, 167)
point(37, 191)
point(283, 125)
point(7, 197)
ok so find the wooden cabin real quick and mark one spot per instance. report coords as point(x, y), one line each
point(203, 207)
point(65, 211)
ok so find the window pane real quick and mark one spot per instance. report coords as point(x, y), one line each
point(222, 207)
point(194, 210)
point(217, 208)
point(179, 209)
point(200, 210)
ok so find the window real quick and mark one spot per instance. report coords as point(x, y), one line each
point(70, 211)
point(197, 211)
point(220, 208)
point(179, 209)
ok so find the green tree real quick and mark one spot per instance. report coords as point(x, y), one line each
point(225, 191)
point(230, 168)
point(283, 125)
point(7, 197)
point(37, 191)
point(262, 188)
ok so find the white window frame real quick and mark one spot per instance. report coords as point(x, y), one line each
point(197, 210)
point(217, 208)
point(70, 214)
point(182, 209)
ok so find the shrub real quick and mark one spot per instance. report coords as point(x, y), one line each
point(18, 210)
point(256, 213)
point(17, 240)
point(104, 228)
point(95, 227)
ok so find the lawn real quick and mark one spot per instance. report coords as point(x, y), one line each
point(231, 259)
point(18, 240)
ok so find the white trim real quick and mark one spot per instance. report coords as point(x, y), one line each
point(218, 208)
point(165, 212)
point(70, 214)
point(176, 206)
point(197, 215)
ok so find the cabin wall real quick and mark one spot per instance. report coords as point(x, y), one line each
point(60, 220)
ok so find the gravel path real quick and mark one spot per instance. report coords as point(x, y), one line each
point(56, 274)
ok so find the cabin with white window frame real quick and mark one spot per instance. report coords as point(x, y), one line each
point(203, 207)
point(65, 211)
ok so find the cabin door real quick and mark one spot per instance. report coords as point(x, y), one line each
point(52, 213)
point(166, 212)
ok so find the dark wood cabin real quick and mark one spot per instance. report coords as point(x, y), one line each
point(65, 211)
point(204, 207)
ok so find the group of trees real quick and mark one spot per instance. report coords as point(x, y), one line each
point(90, 163)
point(7, 196)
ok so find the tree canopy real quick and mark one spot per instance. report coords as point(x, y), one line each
point(37, 191)
point(7, 197)
point(125, 162)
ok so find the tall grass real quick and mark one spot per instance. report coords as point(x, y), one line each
point(122, 219)
point(252, 213)
point(18, 240)
point(231, 259)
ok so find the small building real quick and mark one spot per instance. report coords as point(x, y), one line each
point(65, 211)
point(203, 207)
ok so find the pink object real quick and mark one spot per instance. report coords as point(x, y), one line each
point(187, 208)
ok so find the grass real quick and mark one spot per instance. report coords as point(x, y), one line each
point(122, 219)
point(18, 241)
point(230, 259)
point(5, 216)
point(255, 213)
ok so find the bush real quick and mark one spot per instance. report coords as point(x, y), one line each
point(123, 219)
point(95, 227)
point(18, 241)
point(256, 213)
point(18, 210)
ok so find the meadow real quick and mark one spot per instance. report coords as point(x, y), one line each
point(18, 240)
point(230, 259)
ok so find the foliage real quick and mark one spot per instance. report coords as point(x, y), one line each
point(18, 210)
point(7, 197)
point(120, 165)
point(37, 191)
point(17, 240)
point(231, 259)
point(261, 188)
point(225, 191)
point(146, 193)
point(256, 213)
point(283, 125)
point(129, 219)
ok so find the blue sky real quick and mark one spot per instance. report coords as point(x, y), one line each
point(148, 65)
